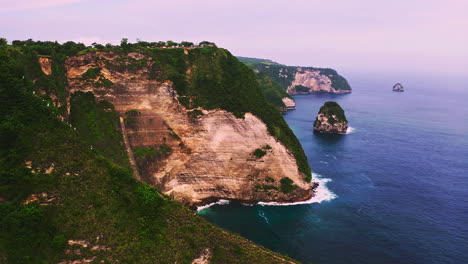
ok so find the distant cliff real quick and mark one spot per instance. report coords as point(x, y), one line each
point(331, 119)
point(300, 80)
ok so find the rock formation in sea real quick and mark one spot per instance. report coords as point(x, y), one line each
point(398, 88)
point(331, 119)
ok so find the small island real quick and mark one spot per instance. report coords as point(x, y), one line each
point(331, 119)
point(398, 88)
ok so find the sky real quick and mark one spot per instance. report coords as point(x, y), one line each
point(348, 35)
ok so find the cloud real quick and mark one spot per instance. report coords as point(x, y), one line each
point(17, 5)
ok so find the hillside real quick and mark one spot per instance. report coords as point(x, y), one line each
point(300, 80)
point(68, 191)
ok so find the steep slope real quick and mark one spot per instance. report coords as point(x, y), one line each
point(68, 196)
point(189, 126)
point(300, 80)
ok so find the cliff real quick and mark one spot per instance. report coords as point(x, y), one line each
point(331, 119)
point(193, 154)
point(300, 80)
point(68, 193)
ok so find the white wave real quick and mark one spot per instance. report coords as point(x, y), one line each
point(220, 202)
point(322, 193)
point(350, 130)
point(321, 161)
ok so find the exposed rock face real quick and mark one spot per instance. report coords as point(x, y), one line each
point(300, 80)
point(398, 88)
point(331, 119)
point(210, 156)
point(289, 103)
point(46, 65)
point(314, 80)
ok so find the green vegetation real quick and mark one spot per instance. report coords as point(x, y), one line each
point(287, 185)
point(90, 195)
point(194, 114)
point(259, 153)
point(98, 124)
point(284, 75)
point(301, 89)
point(92, 73)
point(331, 108)
point(142, 153)
point(269, 179)
point(265, 188)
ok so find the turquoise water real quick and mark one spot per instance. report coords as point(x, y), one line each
point(394, 190)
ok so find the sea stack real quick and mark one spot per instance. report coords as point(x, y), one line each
point(398, 88)
point(331, 119)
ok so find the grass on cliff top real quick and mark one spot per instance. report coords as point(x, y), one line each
point(88, 196)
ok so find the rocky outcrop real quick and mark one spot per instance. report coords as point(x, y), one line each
point(289, 103)
point(308, 80)
point(46, 65)
point(331, 119)
point(300, 80)
point(398, 88)
point(208, 154)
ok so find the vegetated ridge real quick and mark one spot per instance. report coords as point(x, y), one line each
point(68, 192)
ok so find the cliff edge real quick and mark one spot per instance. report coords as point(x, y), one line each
point(187, 138)
point(300, 80)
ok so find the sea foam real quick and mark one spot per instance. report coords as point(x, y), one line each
point(220, 202)
point(350, 130)
point(322, 193)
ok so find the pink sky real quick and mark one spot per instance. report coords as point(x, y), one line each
point(407, 35)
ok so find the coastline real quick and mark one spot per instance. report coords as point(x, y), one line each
point(318, 193)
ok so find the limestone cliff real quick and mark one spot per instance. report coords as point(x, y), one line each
point(300, 80)
point(289, 103)
point(331, 119)
point(195, 154)
point(310, 80)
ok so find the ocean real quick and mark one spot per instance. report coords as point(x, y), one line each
point(393, 190)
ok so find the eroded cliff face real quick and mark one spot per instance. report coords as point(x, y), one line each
point(46, 65)
point(314, 80)
point(200, 157)
point(289, 103)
